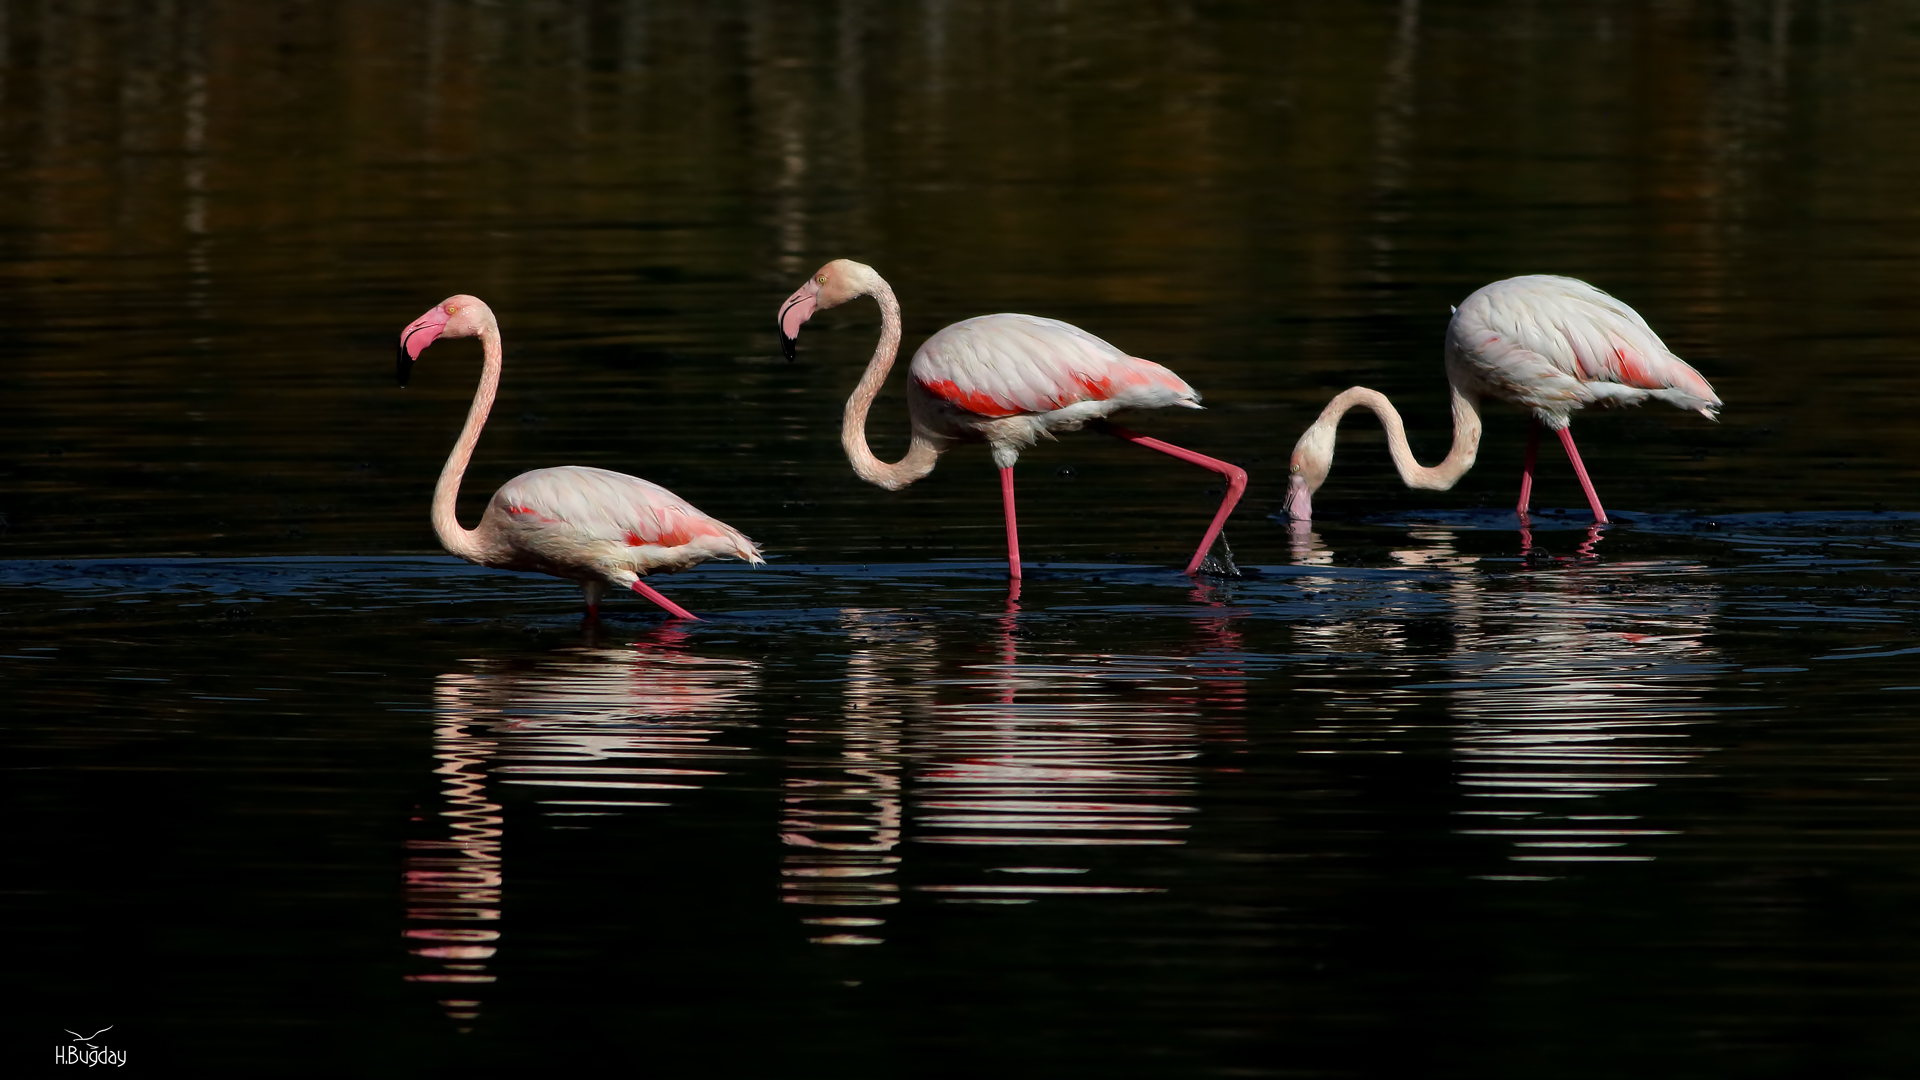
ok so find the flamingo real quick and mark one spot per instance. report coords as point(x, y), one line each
point(1549, 344)
point(592, 526)
point(1005, 380)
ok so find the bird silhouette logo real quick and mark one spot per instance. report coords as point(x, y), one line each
point(88, 1039)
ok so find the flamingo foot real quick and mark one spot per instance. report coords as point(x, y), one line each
point(673, 609)
point(1236, 483)
point(1219, 562)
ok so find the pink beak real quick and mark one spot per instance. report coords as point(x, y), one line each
point(423, 331)
point(797, 309)
point(414, 340)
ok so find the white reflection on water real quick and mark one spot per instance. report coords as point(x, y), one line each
point(841, 807)
point(456, 880)
point(1028, 757)
point(1570, 681)
point(596, 731)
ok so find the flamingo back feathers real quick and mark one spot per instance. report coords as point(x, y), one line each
point(575, 509)
point(1557, 343)
point(1005, 365)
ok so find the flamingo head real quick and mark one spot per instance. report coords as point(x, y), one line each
point(455, 317)
point(1307, 470)
point(833, 284)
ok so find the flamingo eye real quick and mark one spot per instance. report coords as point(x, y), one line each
point(822, 279)
point(453, 309)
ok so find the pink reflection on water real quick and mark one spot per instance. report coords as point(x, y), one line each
point(587, 732)
point(1027, 749)
point(1569, 680)
point(456, 880)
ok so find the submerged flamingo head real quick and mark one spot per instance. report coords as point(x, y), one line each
point(1307, 470)
point(833, 284)
point(455, 317)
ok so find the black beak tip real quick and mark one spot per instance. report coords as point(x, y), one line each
point(403, 366)
point(787, 346)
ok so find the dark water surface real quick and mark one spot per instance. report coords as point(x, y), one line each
point(1419, 794)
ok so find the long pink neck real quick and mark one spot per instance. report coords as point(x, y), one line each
point(1466, 436)
point(921, 452)
point(466, 542)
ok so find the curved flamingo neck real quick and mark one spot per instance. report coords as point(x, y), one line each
point(921, 453)
point(1440, 477)
point(466, 542)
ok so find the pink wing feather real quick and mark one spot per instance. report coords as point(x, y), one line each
point(1005, 365)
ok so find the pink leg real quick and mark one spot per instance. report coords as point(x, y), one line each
point(1236, 483)
point(1526, 475)
point(1013, 531)
point(1579, 470)
point(674, 609)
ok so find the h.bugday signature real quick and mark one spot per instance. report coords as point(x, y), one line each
point(90, 1055)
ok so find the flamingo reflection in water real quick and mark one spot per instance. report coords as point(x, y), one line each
point(1574, 682)
point(1306, 547)
point(1022, 756)
point(1587, 549)
point(593, 731)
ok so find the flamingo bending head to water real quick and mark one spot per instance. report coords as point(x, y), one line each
point(1545, 343)
point(1005, 380)
point(589, 525)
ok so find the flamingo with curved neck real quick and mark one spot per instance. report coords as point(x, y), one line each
point(1546, 343)
point(593, 526)
point(1005, 380)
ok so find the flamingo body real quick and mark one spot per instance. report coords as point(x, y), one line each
point(1005, 380)
point(1554, 344)
point(589, 525)
point(1551, 345)
point(584, 523)
point(1010, 380)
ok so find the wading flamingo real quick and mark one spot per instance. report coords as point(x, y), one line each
point(1005, 380)
point(1547, 344)
point(589, 525)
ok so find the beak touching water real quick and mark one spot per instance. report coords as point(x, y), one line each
point(1299, 502)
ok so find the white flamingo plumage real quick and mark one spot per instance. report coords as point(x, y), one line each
point(1005, 380)
point(589, 525)
point(1546, 343)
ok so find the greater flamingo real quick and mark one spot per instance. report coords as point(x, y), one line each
point(1005, 380)
point(589, 525)
point(1548, 344)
